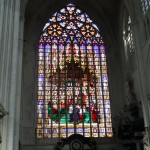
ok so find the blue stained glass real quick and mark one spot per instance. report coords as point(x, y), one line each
point(40, 103)
point(96, 51)
point(40, 75)
point(102, 47)
point(96, 47)
point(47, 46)
point(49, 131)
point(105, 77)
point(41, 46)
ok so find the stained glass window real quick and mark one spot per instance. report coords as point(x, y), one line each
point(128, 36)
point(73, 92)
point(145, 5)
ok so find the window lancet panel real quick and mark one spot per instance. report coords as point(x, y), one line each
point(128, 36)
point(145, 5)
point(73, 92)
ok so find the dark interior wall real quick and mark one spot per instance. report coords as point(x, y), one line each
point(106, 17)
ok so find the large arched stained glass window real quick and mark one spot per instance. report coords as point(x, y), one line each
point(73, 92)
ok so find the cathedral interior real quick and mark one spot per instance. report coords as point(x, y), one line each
point(75, 75)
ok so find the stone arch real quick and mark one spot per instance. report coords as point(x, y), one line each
point(35, 18)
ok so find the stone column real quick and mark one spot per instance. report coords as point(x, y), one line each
point(10, 74)
point(139, 39)
point(141, 72)
point(142, 80)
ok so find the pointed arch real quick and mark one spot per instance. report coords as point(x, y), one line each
point(73, 92)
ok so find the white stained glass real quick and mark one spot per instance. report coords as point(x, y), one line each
point(128, 37)
point(145, 5)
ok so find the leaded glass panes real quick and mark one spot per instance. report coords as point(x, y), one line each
point(128, 36)
point(73, 92)
point(145, 5)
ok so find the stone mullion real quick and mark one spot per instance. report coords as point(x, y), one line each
point(19, 89)
point(13, 126)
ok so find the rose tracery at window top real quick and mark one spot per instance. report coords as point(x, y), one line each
point(73, 92)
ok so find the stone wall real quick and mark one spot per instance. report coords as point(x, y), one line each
point(10, 74)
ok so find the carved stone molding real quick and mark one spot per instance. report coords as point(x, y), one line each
point(3, 112)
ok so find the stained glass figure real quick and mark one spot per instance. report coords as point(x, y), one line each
point(73, 92)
